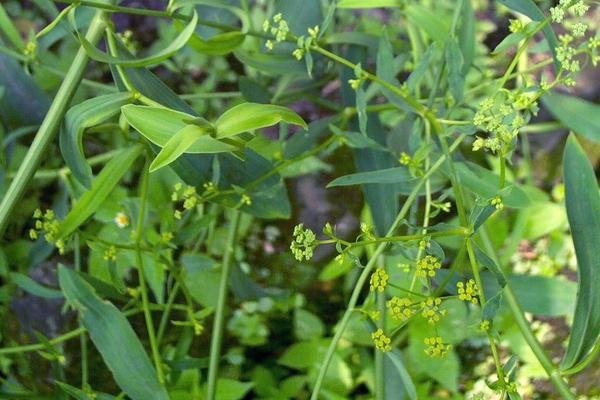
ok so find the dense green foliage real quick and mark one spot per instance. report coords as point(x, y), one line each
point(293, 199)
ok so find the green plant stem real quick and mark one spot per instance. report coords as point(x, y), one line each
point(9, 30)
point(367, 270)
point(82, 337)
point(49, 126)
point(217, 332)
point(379, 360)
point(535, 346)
point(164, 319)
point(142, 275)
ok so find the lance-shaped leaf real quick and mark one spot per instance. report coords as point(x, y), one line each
point(114, 338)
point(186, 138)
point(162, 126)
point(160, 56)
point(583, 211)
point(102, 186)
point(579, 115)
point(85, 115)
point(247, 117)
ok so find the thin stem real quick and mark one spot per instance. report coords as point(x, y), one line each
point(367, 270)
point(49, 126)
point(142, 276)
point(217, 333)
point(82, 337)
point(164, 319)
point(379, 361)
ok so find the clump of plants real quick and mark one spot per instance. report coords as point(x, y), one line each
point(159, 183)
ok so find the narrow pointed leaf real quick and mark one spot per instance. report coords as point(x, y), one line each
point(579, 115)
point(583, 211)
point(114, 338)
point(85, 115)
point(247, 117)
point(157, 58)
point(191, 137)
point(101, 187)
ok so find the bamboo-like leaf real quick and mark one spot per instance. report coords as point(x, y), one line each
point(85, 115)
point(275, 64)
point(583, 211)
point(102, 186)
point(456, 78)
point(160, 56)
point(579, 115)
point(33, 287)
point(247, 117)
point(183, 140)
point(114, 338)
point(466, 35)
point(217, 45)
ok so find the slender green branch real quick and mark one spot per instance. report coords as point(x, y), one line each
point(139, 231)
point(217, 333)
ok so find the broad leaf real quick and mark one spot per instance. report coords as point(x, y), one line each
point(114, 338)
point(583, 211)
point(388, 175)
point(85, 115)
point(160, 56)
point(247, 117)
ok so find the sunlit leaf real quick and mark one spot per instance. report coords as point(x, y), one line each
point(583, 211)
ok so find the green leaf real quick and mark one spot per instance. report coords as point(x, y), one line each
point(530, 9)
point(80, 394)
point(274, 64)
point(509, 41)
point(156, 124)
point(466, 35)
point(160, 56)
point(307, 326)
point(490, 264)
point(388, 175)
point(456, 78)
point(368, 3)
point(85, 115)
point(431, 23)
point(217, 45)
point(580, 116)
point(407, 382)
point(491, 307)
point(247, 117)
point(583, 211)
point(102, 186)
point(34, 288)
point(114, 338)
point(188, 137)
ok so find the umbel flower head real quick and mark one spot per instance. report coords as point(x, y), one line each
point(303, 243)
point(467, 292)
point(436, 347)
point(400, 308)
point(427, 266)
point(431, 310)
point(379, 280)
point(382, 342)
point(48, 226)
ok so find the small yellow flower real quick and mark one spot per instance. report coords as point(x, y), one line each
point(484, 325)
point(431, 310)
point(400, 308)
point(427, 266)
point(436, 347)
point(379, 280)
point(382, 342)
point(405, 159)
point(468, 292)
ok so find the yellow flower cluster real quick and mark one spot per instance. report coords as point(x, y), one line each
point(431, 310)
point(382, 342)
point(47, 225)
point(437, 347)
point(497, 202)
point(468, 292)
point(379, 280)
point(279, 29)
point(187, 195)
point(427, 266)
point(110, 254)
point(400, 308)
